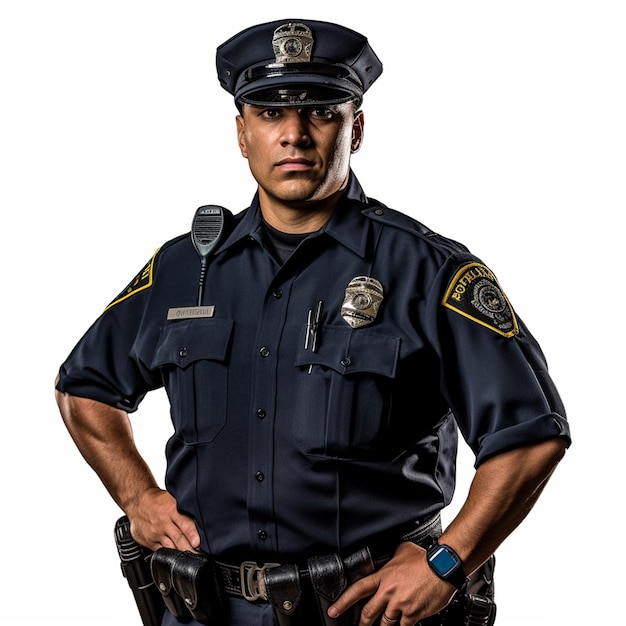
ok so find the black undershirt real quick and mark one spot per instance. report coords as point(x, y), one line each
point(282, 244)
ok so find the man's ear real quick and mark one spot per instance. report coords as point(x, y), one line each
point(357, 131)
point(240, 135)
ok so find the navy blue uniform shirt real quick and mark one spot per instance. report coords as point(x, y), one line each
point(284, 450)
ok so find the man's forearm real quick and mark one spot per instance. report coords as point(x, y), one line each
point(103, 434)
point(502, 493)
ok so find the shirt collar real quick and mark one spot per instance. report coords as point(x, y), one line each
point(344, 225)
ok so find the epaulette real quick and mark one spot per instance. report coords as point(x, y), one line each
point(379, 212)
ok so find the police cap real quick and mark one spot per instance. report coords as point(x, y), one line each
point(293, 61)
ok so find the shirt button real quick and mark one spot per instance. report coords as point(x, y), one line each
point(262, 534)
point(260, 476)
point(346, 362)
point(261, 414)
point(183, 353)
point(278, 294)
point(264, 352)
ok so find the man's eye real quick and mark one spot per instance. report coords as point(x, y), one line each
point(322, 112)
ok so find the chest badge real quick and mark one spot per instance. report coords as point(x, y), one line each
point(361, 301)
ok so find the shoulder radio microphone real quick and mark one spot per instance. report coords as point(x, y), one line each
point(209, 225)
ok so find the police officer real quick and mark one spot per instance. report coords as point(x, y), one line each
point(318, 383)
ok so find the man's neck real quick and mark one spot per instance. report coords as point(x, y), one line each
point(306, 217)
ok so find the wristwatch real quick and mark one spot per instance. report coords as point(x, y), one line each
point(446, 563)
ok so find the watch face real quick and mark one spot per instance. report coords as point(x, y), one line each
point(443, 561)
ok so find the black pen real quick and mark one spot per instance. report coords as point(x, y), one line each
point(313, 329)
point(316, 324)
point(309, 329)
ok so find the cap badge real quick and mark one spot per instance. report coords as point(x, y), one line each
point(293, 43)
point(361, 301)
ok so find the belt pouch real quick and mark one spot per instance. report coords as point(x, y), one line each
point(195, 580)
point(328, 578)
point(282, 585)
point(161, 565)
point(358, 565)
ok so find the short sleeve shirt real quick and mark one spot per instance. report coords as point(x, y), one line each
point(316, 403)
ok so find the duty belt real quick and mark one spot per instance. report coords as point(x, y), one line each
point(248, 579)
point(194, 585)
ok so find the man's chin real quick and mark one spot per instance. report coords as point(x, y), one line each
point(298, 194)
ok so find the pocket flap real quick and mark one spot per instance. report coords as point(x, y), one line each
point(348, 351)
point(183, 343)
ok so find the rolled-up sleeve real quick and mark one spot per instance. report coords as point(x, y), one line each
point(494, 374)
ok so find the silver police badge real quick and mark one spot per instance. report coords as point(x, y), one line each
point(361, 301)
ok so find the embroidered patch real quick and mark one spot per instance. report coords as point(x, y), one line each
point(474, 293)
point(142, 281)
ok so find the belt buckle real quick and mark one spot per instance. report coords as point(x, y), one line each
point(253, 581)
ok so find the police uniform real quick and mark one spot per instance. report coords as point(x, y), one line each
point(316, 401)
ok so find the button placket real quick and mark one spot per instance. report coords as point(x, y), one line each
point(261, 461)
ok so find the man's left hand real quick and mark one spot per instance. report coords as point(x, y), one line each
point(401, 593)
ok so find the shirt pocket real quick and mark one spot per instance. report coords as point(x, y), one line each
point(192, 356)
point(343, 398)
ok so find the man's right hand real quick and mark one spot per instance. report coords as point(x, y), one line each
point(104, 437)
point(156, 523)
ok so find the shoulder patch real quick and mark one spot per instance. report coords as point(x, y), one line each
point(474, 293)
point(142, 281)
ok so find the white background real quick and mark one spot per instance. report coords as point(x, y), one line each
point(497, 123)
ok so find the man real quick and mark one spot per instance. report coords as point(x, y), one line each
point(317, 385)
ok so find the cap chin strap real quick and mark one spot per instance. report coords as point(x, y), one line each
point(296, 97)
point(334, 70)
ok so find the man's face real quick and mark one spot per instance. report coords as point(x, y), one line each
point(299, 154)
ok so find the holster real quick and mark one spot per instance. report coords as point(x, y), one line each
point(478, 603)
point(479, 610)
point(190, 585)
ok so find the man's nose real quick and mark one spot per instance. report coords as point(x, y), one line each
point(295, 130)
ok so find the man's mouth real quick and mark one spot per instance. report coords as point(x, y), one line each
point(294, 164)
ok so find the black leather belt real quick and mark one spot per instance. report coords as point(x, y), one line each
point(247, 580)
